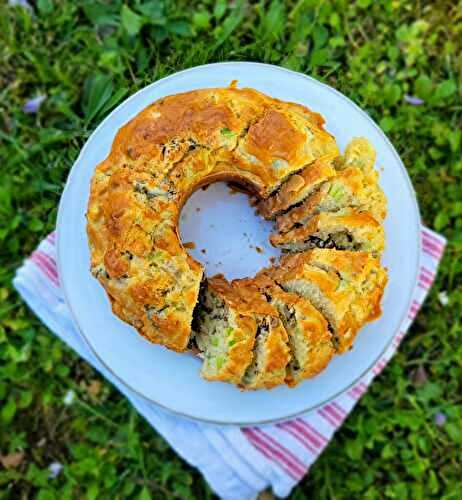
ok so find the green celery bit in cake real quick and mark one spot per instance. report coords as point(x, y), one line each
point(226, 132)
point(336, 191)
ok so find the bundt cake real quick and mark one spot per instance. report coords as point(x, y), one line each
point(285, 324)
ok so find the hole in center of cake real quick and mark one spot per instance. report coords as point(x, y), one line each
point(221, 230)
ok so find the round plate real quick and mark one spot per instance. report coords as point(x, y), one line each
point(229, 230)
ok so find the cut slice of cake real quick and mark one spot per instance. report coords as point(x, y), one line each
point(224, 331)
point(362, 271)
point(355, 185)
point(343, 230)
point(346, 287)
point(310, 339)
point(326, 290)
point(298, 187)
point(271, 353)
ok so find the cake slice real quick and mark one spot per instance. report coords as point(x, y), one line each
point(310, 339)
point(298, 187)
point(271, 353)
point(346, 287)
point(326, 290)
point(343, 230)
point(281, 142)
point(362, 271)
point(347, 189)
point(224, 331)
point(355, 185)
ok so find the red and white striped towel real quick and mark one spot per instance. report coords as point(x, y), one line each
point(236, 462)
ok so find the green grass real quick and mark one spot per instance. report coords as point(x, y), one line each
point(86, 57)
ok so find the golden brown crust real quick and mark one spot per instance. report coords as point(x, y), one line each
point(298, 266)
point(297, 269)
point(351, 282)
point(309, 334)
point(300, 215)
point(275, 355)
point(242, 298)
point(315, 335)
point(362, 230)
point(364, 273)
point(296, 188)
point(355, 185)
point(157, 159)
point(281, 152)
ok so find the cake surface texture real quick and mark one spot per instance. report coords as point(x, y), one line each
point(285, 324)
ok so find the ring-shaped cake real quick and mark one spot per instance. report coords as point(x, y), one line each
point(285, 324)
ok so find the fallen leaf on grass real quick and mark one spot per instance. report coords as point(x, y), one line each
point(94, 388)
point(419, 376)
point(12, 460)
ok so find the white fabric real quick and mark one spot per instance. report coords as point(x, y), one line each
point(237, 463)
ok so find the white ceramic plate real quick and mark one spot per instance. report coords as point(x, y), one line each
point(172, 380)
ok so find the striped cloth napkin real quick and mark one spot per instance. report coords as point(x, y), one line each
point(238, 463)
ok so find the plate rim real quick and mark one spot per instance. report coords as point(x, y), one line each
point(60, 246)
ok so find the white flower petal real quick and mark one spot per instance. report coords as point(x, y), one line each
point(69, 397)
point(443, 298)
point(55, 468)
